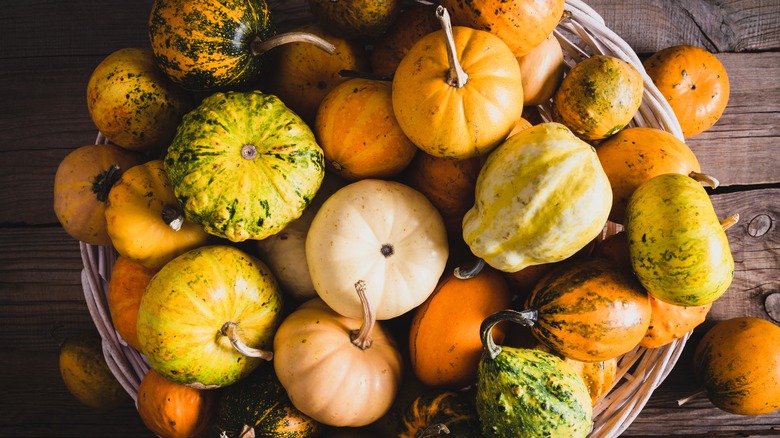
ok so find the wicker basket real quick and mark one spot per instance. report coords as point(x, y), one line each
point(640, 371)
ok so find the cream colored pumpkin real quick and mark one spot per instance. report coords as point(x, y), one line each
point(384, 233)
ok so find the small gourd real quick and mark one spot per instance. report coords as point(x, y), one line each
point(173, 410)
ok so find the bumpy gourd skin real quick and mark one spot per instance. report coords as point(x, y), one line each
point(541, 196)
point(532, 393)
point(679, 250)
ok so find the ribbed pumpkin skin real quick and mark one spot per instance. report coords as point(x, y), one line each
point(540, 197)
point(260, 402)
point(438, 407)
point(738, 364)
point(134, 217)
point(636, 154)
point(679, 250)
point(527, 392)
point(242, 198)
point(590, 310)
point(187, 303)
point(598, 97)
point(204, 45)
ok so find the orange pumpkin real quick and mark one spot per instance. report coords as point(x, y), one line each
point(446, 354)
point(172, 410)
point(125, 289)
point(81, 185)
point(457, 93)
point(411, 25)
point(303, 74)
point(695, 84)
point(521, 24)
point(542, 71)
point(358, 132)
point(521, 124)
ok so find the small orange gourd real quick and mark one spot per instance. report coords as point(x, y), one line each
point(542, 71)
point(445, 354)
point(411, 25)
point(125, 289)
point(171, 410)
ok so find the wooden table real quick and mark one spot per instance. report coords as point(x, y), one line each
point(49, 48)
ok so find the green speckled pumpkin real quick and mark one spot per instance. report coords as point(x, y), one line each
point(183, 314)
point(207, 44)
point(541, 196)
point(243, 165)
point(258, 406)
point(679, 250)
point(529, 393)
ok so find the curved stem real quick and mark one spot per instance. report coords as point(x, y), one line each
point(229, 329)
point(456, 77)
point(434, 430)
point(706, 179)
point(102, 183)
point(465, 274)
point(260, 46)
point(489, 347)
point(361, 337)
point(173, 217)
point(684, 400)
point(729, 221)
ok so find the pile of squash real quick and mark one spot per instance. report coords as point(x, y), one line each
point(364, 224)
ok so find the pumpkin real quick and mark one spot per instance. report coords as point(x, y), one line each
point(528, 392)
point(144, 219)
point(172, 410)
point(598, 97)
point(598, 376)
point(303, 74)
point(356, 19)
point(258, 406)
point(383, 233)
point(285, 251)
point(125, 288)
point(389, 49)
point(636, 154)
point(338, 370)
point(679, 249)
point(448, 184)
point(521, 124)
point(81, 185)
point(86, 374)
point(540, 197)
point(542, 70)
point(737, 362)
point(440, 411)
point(206, 315)
point(457, 93)
point(133, 103)
point(446, 355)
point(521, 24)
point(358, 132)
point(243, 165)
point(694, 83)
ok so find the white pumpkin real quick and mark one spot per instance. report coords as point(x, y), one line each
point(381, 232)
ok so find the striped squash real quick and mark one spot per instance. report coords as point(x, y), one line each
point(243, 165)
point(208, 44)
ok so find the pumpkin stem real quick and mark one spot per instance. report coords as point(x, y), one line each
point(173, 217)
point(102, 183)
point(361, 337)
point(489, 347)
point(729, 221)
point(456, 77)
point(684, 400)
point(465, 274)
point(434, 430)
point(260, 46)
point(706, 179)
point(247, 432)
point(229, 329)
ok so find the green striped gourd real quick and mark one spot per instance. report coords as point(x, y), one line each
point(243, 165)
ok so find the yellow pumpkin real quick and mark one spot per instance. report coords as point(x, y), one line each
point(695, 84)
point(81, 185)
point(381, 232)
point(457, 93)
point(340, 371)
point(542, 71)
point(144, 219)
point(358, 132)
